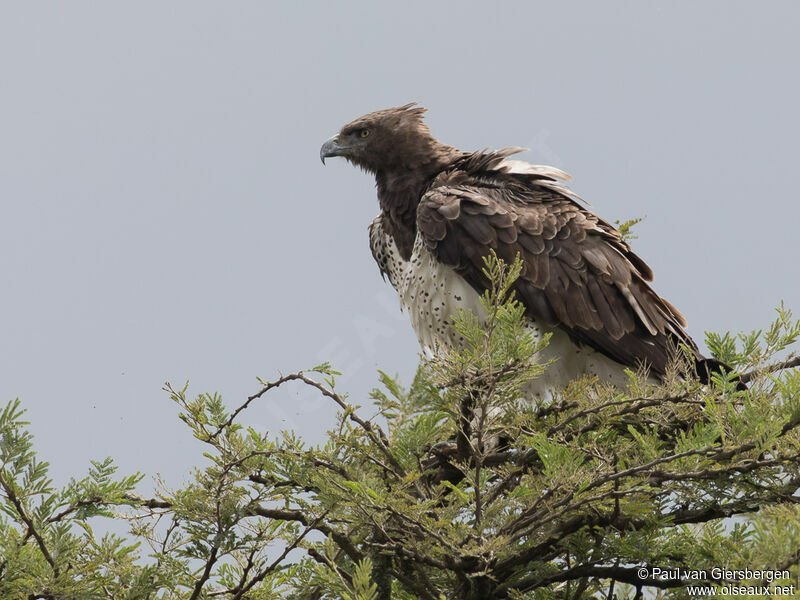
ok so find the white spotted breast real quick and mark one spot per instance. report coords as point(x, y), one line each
point(432, 293)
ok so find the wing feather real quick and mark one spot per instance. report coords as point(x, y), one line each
point(578, 273)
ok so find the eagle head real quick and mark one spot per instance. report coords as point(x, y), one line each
point(384, 140)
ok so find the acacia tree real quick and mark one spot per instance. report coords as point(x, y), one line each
point(456, 487)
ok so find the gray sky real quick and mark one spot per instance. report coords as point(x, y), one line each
point(164, 214)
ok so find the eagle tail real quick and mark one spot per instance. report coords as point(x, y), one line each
point(706, 367)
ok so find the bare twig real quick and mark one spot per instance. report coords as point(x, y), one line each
point(341, 540)
point(147, 502)
point(787, 364)
point(374, 432)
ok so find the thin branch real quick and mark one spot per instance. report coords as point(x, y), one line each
point(31, 528)
point(299, 516)
point(266, 571)
point(790, 561)
point(147, 503)
point(623, 523)
point(787, 364)
point(324, 560)
point(243, 579)
point(633, 405)
point(418, 582)
point(210, 561)
point(374, 432)
point(477, 379)
point(74, 508)
point(269, 386)
point(628, 575)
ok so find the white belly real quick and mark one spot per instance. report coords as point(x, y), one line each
point(432, 293)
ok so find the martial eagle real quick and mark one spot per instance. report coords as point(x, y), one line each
point(443, 210)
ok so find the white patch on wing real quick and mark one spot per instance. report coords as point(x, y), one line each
point(522, 167)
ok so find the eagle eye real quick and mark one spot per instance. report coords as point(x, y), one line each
point(363, 133)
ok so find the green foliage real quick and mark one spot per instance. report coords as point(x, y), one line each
point(47, 546)
point(754, 349)
point(625, 228)
point(457, 488)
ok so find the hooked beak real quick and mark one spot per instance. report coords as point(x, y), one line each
point(330, 148)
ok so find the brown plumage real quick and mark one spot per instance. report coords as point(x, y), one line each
point(579, 276)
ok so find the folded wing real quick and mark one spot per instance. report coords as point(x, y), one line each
point(578, 273)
